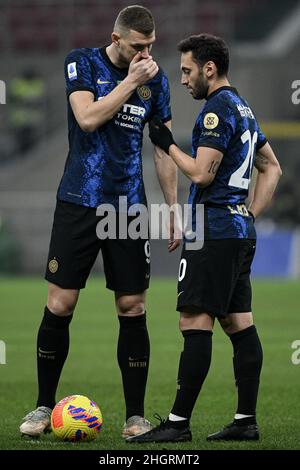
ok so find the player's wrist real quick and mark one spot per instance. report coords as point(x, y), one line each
point(167, 145)
point(161, 135)
point(131, 82)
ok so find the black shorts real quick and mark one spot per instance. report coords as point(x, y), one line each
point(74, 247)
point(216, 279)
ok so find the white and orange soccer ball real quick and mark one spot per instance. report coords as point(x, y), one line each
point(76, 418)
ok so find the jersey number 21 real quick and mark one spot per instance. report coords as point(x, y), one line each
point(237, 178)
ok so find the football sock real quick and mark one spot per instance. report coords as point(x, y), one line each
point(247, 363)
point(238, 416)
point(193, 368)
point(179, 424)
point(245, 421)
point(175, 418)
point(133, 359)
point(52, 351)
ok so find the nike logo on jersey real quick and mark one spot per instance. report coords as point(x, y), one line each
point(180, 293)
point(102, 82)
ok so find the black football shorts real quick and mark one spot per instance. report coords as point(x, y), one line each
point(216, 278)
point(74, 247)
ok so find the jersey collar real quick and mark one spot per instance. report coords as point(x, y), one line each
point(222, 88)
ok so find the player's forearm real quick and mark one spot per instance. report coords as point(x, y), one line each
point(167, 175)
point(188, 166)
point(264, 189)
point(99, 112)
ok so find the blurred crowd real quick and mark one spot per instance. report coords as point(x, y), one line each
point(25, 115)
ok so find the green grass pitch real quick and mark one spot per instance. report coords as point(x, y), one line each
point(92, 370)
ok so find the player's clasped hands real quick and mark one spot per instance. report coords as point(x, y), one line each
point(141, 69)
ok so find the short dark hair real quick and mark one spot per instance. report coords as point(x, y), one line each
point(135, 17)
point(205, 47)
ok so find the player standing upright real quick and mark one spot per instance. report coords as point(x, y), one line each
point(214, 282)
point(112, 92)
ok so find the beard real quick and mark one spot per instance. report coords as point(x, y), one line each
point(201, 88)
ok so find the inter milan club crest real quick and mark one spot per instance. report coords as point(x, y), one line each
point(211, 121)
point(53, 266)
point(144, 92)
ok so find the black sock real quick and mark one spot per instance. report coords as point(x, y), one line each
point(52, 351)
point(193, 368)
point(247, 363)
point(184, 423)
point(133, 359)
point(245, 421)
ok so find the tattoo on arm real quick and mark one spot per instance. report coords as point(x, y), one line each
point(261, 161)
point(213, 167)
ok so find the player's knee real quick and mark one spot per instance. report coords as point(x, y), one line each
point(183, 322)
point(189, 321)
point(226, 325)
point(61, 302)
point(127, 306)
point(62, 305)
point(235, 323)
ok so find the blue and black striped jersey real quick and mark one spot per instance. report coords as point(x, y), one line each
point(228, 124)
point(107, 163)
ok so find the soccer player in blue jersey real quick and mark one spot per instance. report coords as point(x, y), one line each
point(112, 92)
point(214, 282)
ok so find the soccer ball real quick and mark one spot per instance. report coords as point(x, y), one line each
point(76, 418)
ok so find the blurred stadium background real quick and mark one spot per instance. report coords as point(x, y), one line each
point(35, 36)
